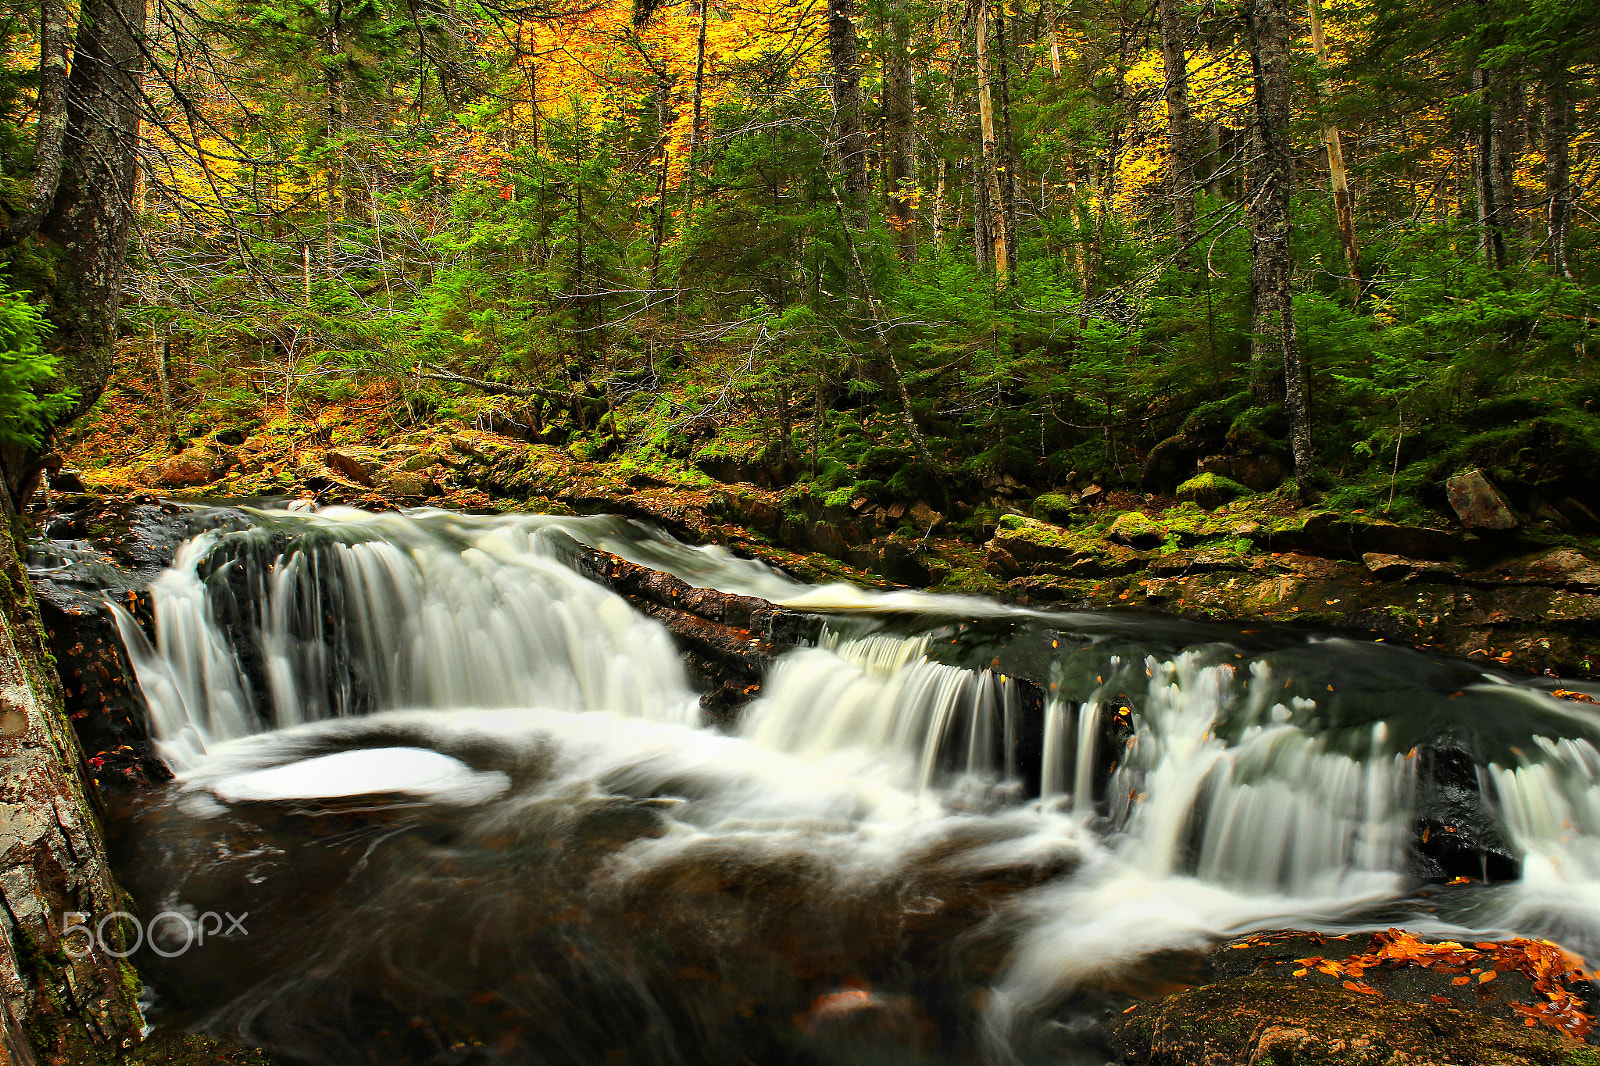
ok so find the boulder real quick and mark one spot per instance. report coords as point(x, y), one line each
point(1259, 473)
point(1136, 530)
point(187, 470)
point(1211, 490)
point(1388, 567)
point(408, 484)
point(1478, 503)
point(349, 467)
point(1056, 507)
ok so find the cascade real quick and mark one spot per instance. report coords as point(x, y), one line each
point(527, 744)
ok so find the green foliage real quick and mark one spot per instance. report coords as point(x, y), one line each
point(28, 374)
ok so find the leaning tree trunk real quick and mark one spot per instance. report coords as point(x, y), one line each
point(53, 871)
point(1180, 124)
point(87, 227)
point(1273, 343)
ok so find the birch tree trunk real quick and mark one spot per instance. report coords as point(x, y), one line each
point(1274, 346)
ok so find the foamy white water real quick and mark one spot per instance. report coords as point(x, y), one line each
point(1183, 796)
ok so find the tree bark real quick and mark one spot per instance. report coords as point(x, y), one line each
point(1558, 168)
point(1491, 225)
point(1180, 124)
point(85, 231)
point(1274, 345)
point(1008, 151)
point(995, 221)
point(49, 141)
point(1048, 12)
point(899, 116)
point(844, 86)
point(53, 869)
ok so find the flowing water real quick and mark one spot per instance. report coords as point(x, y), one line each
point(465, 796)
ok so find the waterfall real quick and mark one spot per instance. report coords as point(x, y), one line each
point(317, 617)
point(1154, 787)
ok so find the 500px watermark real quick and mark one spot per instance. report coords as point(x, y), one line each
point(163, 932)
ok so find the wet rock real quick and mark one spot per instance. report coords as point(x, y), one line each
point(1457, 832)
point(1093, 495)
point(898, 561)
point(1388, 567)
point(727, 641)
point(1478, 503)
point(1211, 490)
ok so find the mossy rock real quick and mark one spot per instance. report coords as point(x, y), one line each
point(1137, 530)
point(1056, 507)
point(1210, 490)
point(1274, 1022)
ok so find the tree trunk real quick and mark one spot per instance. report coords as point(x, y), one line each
point(49, 141)
point(1274, 344)
point(53, 870)
point(1338, 178)
point(86, 229)
point(995, 221)
point(699, 105)
point(1048, 12)
point(1491, 228)
point(1008, 151)
point(899, 115)
point(1180, 125)
point(844, 86)
point(1558, 168)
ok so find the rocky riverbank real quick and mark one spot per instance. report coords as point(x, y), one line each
point(1482, 583)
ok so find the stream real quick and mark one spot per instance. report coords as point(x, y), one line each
point(467, 800)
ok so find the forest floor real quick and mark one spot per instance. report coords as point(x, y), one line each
point(1526, 599)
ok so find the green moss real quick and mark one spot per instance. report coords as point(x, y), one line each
point(1057, 507)
point(1210, 490)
